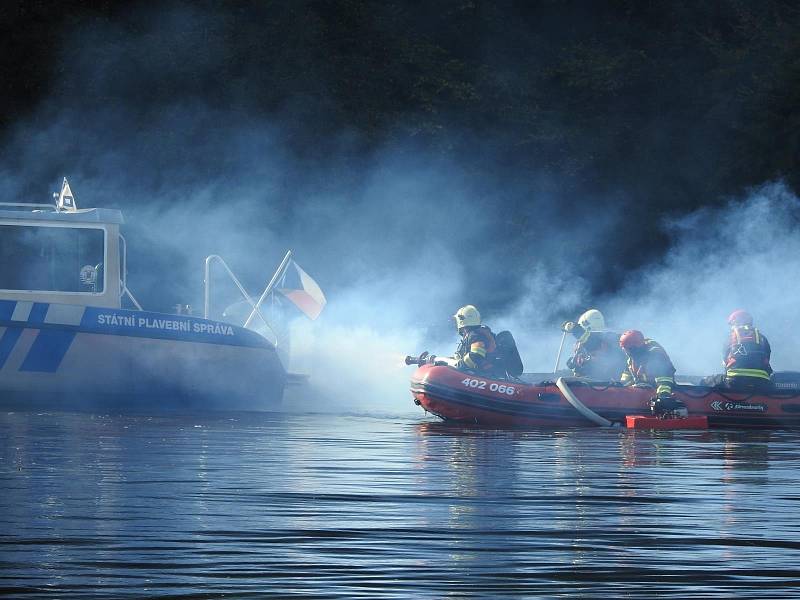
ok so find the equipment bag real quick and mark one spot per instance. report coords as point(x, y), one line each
point(507, 354)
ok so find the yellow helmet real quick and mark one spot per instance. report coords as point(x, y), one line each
point(467, 316)
point(592, 320)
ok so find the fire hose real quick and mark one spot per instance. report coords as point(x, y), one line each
point(561, 384)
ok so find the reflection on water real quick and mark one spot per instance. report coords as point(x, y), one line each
point(365, 506)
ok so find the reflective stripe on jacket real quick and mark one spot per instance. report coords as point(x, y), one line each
point(747, 353)
point(477, 349)
point(651, 365)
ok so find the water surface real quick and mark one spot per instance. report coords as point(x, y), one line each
point(324, 506)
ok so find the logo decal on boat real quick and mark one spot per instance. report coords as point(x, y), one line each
point(172, 324)
point(719, 405)
point(789, 385)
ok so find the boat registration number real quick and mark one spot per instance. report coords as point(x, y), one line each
point(480, 384)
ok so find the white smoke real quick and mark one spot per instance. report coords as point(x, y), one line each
point(398, 241)
point(745, 254)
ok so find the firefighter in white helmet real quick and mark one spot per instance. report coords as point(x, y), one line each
point(477, 347)
point(479, 350)
point(597, 354)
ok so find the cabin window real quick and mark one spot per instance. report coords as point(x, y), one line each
point(51, 259)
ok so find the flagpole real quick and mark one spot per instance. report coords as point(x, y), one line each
point(269, 287)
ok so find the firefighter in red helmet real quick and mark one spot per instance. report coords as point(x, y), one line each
point(746, 354)
point(649, 364)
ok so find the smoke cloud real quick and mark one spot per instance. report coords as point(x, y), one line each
point(740, 255)
point(397, 237)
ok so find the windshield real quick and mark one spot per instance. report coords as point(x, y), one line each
point(51, 259)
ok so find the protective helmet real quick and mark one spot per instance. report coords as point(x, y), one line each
point(592, 320)
point(467, 316)
point(740, 317)
point(631, 339)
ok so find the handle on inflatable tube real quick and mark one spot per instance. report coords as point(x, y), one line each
point(561, 384)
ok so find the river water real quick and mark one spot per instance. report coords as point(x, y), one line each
point(401, 506)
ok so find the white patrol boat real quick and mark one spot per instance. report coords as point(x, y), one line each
point(66, 342)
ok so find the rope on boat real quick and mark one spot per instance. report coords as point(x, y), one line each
point(560, 348)
point(704, 391)
point(587, 412)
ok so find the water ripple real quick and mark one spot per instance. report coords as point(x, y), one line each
point(321, 506)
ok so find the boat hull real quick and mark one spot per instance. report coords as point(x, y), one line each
point(59, 357)
point(463, 397)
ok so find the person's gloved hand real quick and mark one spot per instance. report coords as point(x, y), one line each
point(665, 403)
point(571, 362)
point(568, 326)
point(423, 357)
point(431, 359)
point(655, 406)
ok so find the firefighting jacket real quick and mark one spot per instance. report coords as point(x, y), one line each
point(598, 356)
point(650, 365)
point(747, 353)
point(477, 349)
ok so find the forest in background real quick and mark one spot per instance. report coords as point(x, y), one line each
point(658, 106)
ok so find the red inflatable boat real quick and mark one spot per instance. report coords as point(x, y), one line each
point(536, 401)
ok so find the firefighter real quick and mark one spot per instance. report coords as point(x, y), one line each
point(597, 354)
point(477, 349)
point(648, 364)
point(746, 354)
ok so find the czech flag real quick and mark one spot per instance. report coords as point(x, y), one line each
point(302, 291)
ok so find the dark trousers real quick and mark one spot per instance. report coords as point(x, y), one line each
point(739, 383)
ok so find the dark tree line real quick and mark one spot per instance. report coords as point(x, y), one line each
point(677, 103)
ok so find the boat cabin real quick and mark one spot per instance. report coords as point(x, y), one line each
point(74, 256)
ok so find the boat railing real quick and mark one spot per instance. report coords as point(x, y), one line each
point(255, 306)
point(123, 274)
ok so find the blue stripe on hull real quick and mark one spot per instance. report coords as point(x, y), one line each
point(38, 312)
point(7, 309)
point(7, 343)
point(48, 350)
point(54, 337)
